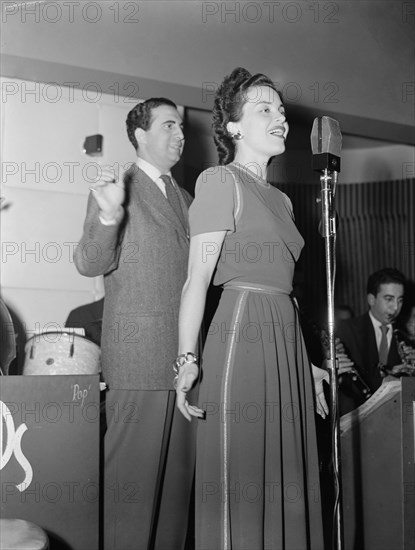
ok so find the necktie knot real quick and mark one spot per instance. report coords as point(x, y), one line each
point(166, 179)
point(384, 329)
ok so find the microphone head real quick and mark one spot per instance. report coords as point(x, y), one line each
point(326, 136)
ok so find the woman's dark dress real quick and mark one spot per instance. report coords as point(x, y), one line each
point(257, 478)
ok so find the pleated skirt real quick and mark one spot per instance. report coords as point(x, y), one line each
point(257, 476)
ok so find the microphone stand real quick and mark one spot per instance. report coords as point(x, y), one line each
point(328, 180)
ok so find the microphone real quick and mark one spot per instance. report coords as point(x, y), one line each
point(326, 144)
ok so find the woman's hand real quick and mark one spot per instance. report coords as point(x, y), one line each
point(187, 376)
point(319, 375)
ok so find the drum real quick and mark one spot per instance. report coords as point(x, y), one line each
point(18, 534)
point(61, 353)
point(8, 339)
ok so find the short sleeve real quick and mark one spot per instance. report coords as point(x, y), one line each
point(288, 205)
point(214, 203)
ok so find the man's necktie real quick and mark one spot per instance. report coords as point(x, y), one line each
point(173, 197)
point(383, 348)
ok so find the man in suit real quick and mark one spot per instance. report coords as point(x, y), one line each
point(368, 339)
point(136, 235)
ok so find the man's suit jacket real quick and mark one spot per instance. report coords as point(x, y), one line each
point(144, 262)
point(358, 337)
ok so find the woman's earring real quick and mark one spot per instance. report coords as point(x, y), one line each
point(238, 136)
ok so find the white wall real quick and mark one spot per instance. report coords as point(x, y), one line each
point(362, 160)
point(353, 58)
point(46, 179)
point(45, 184)
point(358, 165)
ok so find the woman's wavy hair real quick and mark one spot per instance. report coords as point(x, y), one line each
point(230, 98)
point(140, 116)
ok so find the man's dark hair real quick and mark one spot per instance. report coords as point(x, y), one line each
point(141, 116)
point(383, 277)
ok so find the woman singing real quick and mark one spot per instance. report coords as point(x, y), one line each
point(257, 479)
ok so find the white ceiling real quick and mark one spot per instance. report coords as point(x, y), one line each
point(353, 58)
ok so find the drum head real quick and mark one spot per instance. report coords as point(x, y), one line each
point(8, 338)
point(61, 353)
